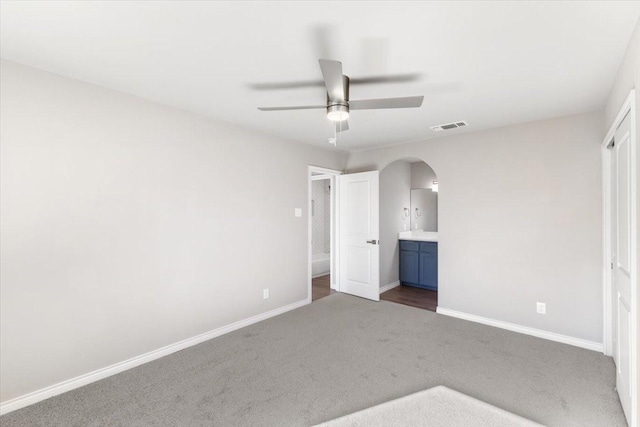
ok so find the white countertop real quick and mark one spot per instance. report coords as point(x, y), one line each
point(419, 235)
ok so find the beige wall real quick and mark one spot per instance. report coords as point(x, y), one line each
point(533, 233)
point(127, 226)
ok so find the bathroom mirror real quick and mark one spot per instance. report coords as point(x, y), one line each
point(424, 209)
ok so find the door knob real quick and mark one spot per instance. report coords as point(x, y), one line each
point(373, 242)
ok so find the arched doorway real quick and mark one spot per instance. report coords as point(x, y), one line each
point(409, 233)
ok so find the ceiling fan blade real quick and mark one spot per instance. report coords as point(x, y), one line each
point(287, 85)
point(393, 78)
point(324, 36)
point(342, 126)
point(299, 84)
point(332, 73)
point(374, 104)
point(299, 107)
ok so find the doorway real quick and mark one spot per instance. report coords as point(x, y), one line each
point(354, 238)
point(409, 234)
point(321, 232)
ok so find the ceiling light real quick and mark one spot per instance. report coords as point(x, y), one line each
point(337, 116)
point(337, 112)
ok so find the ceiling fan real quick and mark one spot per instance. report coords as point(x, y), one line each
point(338, 104)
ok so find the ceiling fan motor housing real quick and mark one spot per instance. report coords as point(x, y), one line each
point(338, 109)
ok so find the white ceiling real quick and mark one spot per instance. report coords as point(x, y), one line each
point(489, 63)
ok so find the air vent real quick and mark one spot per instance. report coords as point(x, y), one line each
point(448, 126)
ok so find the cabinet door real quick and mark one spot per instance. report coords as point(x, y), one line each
point(409, 266)
point(429, 269)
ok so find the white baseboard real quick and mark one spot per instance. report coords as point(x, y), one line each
point(82, 380)
point(552, 336)
point(390, 286)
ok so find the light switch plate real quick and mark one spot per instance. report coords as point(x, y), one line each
point(297, 212)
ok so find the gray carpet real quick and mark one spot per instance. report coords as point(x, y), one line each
point(336, 356)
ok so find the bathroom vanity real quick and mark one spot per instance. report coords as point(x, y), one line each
point(419, 259)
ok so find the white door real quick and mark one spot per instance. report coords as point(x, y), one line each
point(621, 259)
point(359, 257)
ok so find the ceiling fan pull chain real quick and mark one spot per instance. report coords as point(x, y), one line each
point(334, 141)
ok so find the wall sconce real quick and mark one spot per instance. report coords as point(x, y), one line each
point(434, 187)
point(406, 212)
point(418, 213)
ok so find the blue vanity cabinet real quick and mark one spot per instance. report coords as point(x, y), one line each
point(409, 263)
point(419, 264)
point(428, 276)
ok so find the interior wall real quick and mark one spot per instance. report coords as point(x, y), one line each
point(128, 226)
point(534, 234)
point(395, 188)
point(628, 78)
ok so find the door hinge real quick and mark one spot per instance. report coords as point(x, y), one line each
point(612, 266)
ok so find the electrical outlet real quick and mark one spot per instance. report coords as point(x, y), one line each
point(297, 212)
point(265, 294)
point(541, 308)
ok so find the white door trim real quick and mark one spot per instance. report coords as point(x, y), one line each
point(330, 174)
point(630, 108)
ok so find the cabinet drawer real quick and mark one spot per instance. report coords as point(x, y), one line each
point(408, 245)
point(431, 247)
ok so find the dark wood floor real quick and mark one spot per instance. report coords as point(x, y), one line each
point(407, 295)
point(415, 297)
point(321, 287)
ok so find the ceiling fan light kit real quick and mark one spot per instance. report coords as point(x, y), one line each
point(338, 105)
point(337, 112)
